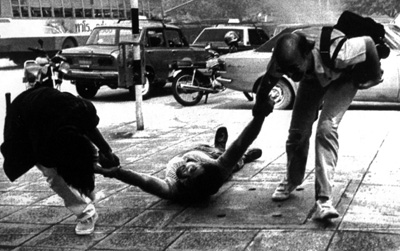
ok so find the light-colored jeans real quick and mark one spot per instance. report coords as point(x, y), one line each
point(77, 203)
point(336, 98)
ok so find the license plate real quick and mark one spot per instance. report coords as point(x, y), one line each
point(85, 62)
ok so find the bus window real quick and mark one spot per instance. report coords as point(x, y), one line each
point(88, 6)
point(107, 13)
point(88, 13)
point(46, 12)
point(67, 8)
point(58, 8)
point(25, 11)
point(68, 12)
point(114, 8)
point(46, 8)
point(121, 8)
point(79, 12)
point(19, 9)
point(58, 12)
point(98, 13)
point(35, 12)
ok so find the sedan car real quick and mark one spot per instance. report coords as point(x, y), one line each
point(244, 70)
point(251, 37)
point(99, 62)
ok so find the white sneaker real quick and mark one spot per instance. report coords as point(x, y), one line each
point(325, 210)
point(282, 192)
point(86, 227)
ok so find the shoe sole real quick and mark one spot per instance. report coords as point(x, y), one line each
point(327, 216)
point(252, 155)
point(217, 143)
point(88, 231)
point(281, 198)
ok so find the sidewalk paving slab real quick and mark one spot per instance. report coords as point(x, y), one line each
point(241, 216)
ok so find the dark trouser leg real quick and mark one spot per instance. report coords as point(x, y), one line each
point(305, 112)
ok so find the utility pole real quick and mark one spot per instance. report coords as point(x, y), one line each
point(138, 65)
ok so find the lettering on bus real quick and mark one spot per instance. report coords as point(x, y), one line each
point(84, 26)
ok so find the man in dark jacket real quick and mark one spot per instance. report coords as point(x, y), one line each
point(58, 133)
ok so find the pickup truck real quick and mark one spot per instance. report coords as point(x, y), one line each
point(98, 62)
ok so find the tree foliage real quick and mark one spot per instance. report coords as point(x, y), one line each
point(281, 11)
point(374, 7)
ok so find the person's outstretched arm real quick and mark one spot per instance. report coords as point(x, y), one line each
point(107, 158)
point(263, 107)
point(147, 183)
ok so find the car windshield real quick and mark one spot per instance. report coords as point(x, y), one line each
point(109, 36)
point(257, 36)
point(215, 35)
point(270, 44)
point(311, 31)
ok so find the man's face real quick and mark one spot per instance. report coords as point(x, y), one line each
point(186, 173)
point(297, 69)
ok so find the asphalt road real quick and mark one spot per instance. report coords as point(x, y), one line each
point(117, 106)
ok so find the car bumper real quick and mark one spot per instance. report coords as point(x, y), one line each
point(75, 74)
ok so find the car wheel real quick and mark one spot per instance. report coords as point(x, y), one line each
point(182, 89)
point(87, 91)
point(282, 95)
point(68, 43)
point(146, 90)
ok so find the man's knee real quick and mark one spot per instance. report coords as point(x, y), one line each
point(326, 130)
point(297, 137)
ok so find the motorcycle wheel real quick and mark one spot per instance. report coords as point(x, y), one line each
point(183, 96)
point(87, 91)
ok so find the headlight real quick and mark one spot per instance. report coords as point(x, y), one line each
point(64, 67)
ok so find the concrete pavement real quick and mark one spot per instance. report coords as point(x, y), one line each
point(242, 215)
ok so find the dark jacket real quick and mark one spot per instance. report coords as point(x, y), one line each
point(35, 120)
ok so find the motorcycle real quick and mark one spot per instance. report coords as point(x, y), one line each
point(191, 81)
point(44, 70)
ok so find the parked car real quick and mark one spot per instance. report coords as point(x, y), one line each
point(244, 70)
point(96, 63)
point(251, 37)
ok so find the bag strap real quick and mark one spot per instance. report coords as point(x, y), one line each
point(325, 45)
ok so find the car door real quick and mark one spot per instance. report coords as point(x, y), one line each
point(157, 52)
point(179, 47)
point(388, 90)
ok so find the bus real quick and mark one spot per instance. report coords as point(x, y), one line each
point(59, 23)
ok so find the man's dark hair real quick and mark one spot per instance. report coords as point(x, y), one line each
point(74, 157)
point(205, 184)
